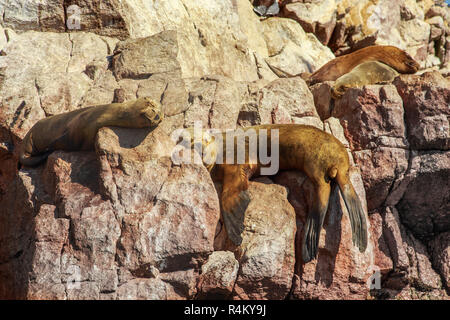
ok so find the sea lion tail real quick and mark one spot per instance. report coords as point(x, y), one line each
point(355, 211)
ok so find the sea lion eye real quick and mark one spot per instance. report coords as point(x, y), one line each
point(157, 117)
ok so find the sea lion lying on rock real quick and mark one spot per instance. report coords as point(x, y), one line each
point(321, 156)
point(76, 130)
point(372, 72)
point(394, 57)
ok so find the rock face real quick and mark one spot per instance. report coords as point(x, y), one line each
point(125, 221)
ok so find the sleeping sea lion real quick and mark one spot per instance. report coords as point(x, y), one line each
point(321, 156)
point(372, 72)
point(394, 57)
point(76, 130)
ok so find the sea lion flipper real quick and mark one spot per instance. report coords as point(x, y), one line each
point(234, 200)
point(355, 211)
point(234, 216)
point(314, 222)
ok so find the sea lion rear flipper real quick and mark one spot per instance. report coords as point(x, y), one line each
point(234, 217)
point(314, 223)
point(355, 211)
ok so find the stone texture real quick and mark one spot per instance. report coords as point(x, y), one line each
point(317, 17)
point(218, 276)
point(412, 266)
point(383, 22)
point(266, 256)
point(426, 213)
point(440, 252)
point(322, 99)
point(123, 237)
point(340, 270)
point(371, 116)
point(124, 222)
point(291, 50)
point(381, 169)
point(426, 99)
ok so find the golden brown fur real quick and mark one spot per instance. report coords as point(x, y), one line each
point(394, 57)
point(372, 72)
point(316, 153)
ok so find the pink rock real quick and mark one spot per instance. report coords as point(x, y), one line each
point(424, 206)
point(426, 99)
point(286, 98)
point(372, 116)
point(440, 252)
point(382, 258)
point(156, 237)
point(322, 99)
point(380, 169)
point(340, 270)
point(214, 101)
point(412, 266)
point(315, 20)
point(266, 256)
point(218, 276)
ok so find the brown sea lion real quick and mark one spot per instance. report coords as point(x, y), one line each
point(76, 130)
point(372, 72)
point(322, 157)
point(394, 57)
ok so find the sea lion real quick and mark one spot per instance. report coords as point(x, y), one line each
point(321, 156)
point(366, 73)
point(394, 57)
point(76, 130)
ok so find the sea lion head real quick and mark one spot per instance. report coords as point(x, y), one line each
point(406, 63)
point(147, 113)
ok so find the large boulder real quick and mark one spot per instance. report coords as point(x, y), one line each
point(291, 50)
point(426, 100)
point(317, 17)
point(127, 237)
point(266, 256)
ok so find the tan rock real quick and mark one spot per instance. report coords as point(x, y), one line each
point(218, 276)
point(291, 50)
point(317, 17)
point(266, 255)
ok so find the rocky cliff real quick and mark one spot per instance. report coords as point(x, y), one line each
point(125, 222)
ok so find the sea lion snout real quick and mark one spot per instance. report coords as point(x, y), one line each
point(153, 115)
point(413, 65)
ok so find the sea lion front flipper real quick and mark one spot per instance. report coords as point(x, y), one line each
point(234, 218)
point(234, 201)
point(314, 222)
